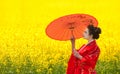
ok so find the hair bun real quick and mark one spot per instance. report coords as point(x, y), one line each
point(97, 30)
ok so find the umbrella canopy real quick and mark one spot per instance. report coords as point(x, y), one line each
point(65, 27)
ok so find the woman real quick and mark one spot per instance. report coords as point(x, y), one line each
point(83, 61)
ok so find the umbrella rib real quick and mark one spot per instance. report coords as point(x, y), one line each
point(62, 35)
point(58, 35)
point(65, 34)
point(77, 32)
point(54, 33)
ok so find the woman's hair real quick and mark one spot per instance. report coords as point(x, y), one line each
point(95, 31)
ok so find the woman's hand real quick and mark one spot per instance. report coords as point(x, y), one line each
point(75, 53)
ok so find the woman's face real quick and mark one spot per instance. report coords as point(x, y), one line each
point(86, 34)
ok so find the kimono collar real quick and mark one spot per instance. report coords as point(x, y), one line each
point(91, 42)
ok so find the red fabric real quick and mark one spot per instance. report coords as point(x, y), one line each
point(87, 64)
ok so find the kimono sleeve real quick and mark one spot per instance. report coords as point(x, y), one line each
point(91, 58)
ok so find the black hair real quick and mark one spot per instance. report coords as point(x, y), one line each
point(95, 31)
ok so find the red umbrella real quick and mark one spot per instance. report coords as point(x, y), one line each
point(67, 26)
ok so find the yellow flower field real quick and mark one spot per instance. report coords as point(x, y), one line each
point(26, 49)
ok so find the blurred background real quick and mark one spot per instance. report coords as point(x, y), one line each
point(26, 49)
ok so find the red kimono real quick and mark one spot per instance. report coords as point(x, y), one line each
point(86, 65)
